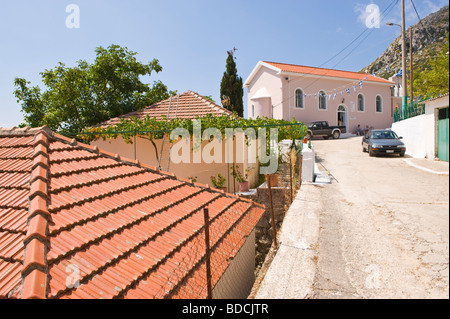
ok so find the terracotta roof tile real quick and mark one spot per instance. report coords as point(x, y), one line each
point(327, 72)
point(11, 277)
point(13, 220)
point(77, 222)
point(12, 246)
point(186, 105)
point(11, 197)
point(15, 165)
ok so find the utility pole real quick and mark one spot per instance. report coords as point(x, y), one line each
point(404, 85)
point(410, 68)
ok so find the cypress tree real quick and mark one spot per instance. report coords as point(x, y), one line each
point(231, 90)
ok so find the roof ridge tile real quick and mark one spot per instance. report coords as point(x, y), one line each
point(42, 138)
point(40, 160)
point(39, 172)
point(35, 287)
point(40, 149)
point(38, 205)
point(201, 185)
point(34, 256)
point(37, 228)
point(38, 188)
point(35, 269)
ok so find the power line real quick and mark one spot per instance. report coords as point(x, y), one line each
point(384, 14)
point(390, 7)
point(420, 20)
point(417, 13)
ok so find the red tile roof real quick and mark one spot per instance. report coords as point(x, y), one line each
point(190, 105)
point(327, 72)
point(126, 230)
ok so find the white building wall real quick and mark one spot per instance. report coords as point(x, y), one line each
point(238, 279)
point(269, 81)
point(418, 135)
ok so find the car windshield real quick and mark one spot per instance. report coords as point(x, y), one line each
point(383, 135)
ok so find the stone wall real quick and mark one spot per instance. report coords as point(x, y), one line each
point(281, 198)
point(264, 233)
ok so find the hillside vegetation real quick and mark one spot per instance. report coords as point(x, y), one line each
point(430, 55)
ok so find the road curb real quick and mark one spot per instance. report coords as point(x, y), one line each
point(424, 168)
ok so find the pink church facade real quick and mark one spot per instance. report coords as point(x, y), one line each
point(287, 91)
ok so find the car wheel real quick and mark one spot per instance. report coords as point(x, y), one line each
point(308, 135)
point(402, 154)
point(336, 134)
point(371, 152)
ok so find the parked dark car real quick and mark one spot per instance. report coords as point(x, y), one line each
point(321, 128)
point(378, 142)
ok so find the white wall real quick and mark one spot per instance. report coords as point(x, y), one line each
point(418, 135)
point(238, 279)
point(269, 80)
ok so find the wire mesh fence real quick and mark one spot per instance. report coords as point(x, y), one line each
point(215, 261)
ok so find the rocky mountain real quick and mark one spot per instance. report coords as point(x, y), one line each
point(428, 38)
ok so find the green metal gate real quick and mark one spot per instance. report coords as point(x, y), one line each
point(443, 134)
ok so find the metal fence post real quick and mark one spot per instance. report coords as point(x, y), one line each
point(291, 176)
point(274, 231)
point(134, 142)
point(207, 254)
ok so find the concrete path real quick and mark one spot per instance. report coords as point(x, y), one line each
point(292, 271)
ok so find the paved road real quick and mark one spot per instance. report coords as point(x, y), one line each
point(383, 227)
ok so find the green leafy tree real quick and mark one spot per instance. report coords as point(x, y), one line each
point(231, 90)
point(87, 94)
point(435, 80)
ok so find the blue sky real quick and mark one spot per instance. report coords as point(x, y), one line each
point(191, 38)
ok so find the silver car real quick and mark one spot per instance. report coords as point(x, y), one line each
point(384, 142)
